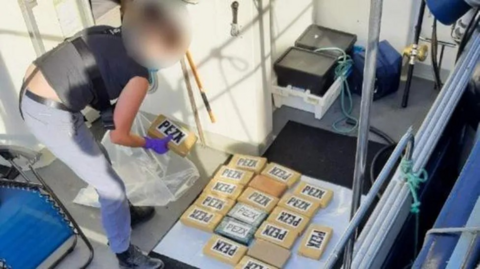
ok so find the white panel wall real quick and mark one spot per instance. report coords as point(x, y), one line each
point(16, 53)
point(398, 20)
point(291, 17)
point(235, 71)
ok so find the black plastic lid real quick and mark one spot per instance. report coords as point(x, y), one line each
point(306, 61)
point(315, 37)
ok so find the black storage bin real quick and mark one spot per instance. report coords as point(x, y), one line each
point(305, 69)
point(315, 37)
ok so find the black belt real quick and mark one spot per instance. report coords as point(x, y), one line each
point(45, 101)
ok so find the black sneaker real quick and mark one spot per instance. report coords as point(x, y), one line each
point(140, 214)
point(133, 258)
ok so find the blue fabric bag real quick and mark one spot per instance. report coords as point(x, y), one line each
point(389, 68)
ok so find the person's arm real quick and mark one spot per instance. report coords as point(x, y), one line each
point(126, 109)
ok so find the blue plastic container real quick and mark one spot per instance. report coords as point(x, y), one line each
point(448, 11)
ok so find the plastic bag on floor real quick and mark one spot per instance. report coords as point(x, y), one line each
point(150, 179)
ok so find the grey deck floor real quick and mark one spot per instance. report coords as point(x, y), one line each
point(386, 115)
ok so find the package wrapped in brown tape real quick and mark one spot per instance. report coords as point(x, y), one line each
point(182, 139)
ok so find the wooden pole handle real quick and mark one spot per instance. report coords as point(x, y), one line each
point(194, 70)
point(193, 105)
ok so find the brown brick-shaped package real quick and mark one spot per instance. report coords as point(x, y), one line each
point(249, 163)
point(258, 199)
point(234, 175)
point(276, 234)
point(281, 173)
point(315, 241)
point(200, 218)
point(299, 204)
point(182, 139)
point(224, 188)
point(268, 185)
point(314, 192)
point(214, 203)
point(269, 253)
point(251, 263)
point(289, 219)
point(224, 250)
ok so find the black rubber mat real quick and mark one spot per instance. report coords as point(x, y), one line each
point(171, 263)
point(313, 152)
point(319, 153)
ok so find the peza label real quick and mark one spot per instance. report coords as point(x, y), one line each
point(247, 162)
point(200, 216)
point(254, 265)
point(213, 202)
point(289, 219)
point(280, 173)
point(232, 174)
point(313, 191)
point(247, 214)
point(224, 248)
point(237, 229)
point(315, 239)
point(167, 128)
point(224, 187)
point(299, 204)
point(275, 232)
point(260, 199)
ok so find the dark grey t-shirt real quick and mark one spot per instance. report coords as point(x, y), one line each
point(64, 69)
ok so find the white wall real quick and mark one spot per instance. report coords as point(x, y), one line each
point(16, 53)
point(291, 17)
point(235, 72)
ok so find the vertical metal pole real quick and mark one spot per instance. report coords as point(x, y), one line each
point(442, 51)
point(364, 119)
point(413, 56)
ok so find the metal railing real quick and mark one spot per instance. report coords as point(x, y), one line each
point(406, 143)
point(390, 213)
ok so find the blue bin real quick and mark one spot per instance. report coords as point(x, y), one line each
point(448, 11)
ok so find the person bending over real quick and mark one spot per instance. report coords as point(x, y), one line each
point(58, 86)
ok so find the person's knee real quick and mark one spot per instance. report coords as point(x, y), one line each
point(112, 193)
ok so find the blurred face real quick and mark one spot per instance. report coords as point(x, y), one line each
point(158, 36)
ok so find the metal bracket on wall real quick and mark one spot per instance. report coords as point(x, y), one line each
point(443, 45)
point(235, 30)
point(26, 6)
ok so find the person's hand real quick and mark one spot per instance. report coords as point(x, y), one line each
point(159, 145)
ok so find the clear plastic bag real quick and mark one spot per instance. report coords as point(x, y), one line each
point(150, 179)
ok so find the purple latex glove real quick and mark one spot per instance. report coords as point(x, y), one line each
point(159, 145)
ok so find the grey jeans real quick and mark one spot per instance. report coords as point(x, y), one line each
point(68, 138)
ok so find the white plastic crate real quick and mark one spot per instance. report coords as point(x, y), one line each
point(306, 101)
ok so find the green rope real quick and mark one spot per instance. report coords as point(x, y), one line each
point(343, 70)
point(414, 179)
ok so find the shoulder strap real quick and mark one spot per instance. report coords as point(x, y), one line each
point(102, 30)
point(102, 102)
